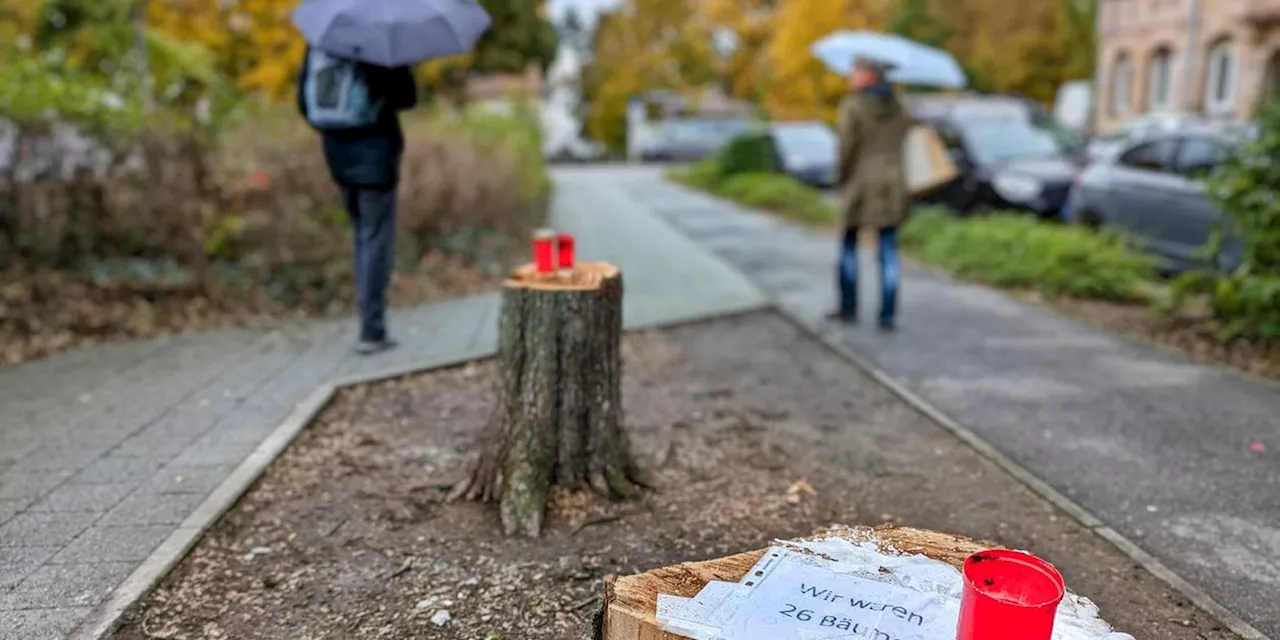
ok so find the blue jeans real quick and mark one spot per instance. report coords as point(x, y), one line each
point(890, 274)
point(373, 223)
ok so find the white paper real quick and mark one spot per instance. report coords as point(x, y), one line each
point(803, 602)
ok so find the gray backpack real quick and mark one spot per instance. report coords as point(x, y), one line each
point(336, 94)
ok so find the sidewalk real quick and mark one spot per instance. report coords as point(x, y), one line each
point(1154, 445)
point(105, 452)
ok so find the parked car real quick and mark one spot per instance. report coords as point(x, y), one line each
point(1009, 152)
point(806, 151)
point(1152, 190)
point(693, 139)
point(1106, 145)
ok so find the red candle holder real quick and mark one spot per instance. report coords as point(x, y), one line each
point(564, 244)
point(1008, 595)
point(543, 253)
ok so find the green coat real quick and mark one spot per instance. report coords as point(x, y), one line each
point(873, 190)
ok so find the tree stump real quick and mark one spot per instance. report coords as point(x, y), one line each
point(559, 396)
point(630, 604)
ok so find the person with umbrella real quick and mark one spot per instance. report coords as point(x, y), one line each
point(874, 125)
point(873, 193)
point(355, 80)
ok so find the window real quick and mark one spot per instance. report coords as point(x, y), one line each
point(1160, 81)
point(1199, 156)
point(1152, 156)
point(1220, 81)
point(1121, 86)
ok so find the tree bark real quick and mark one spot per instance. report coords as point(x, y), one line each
point(559, 396)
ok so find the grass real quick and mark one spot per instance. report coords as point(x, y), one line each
point(1018, 251)
point(774, 192)
point(1007, 250)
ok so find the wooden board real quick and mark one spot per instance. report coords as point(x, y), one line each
point(631, 602)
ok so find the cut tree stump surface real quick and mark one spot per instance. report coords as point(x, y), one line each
point(631, 602)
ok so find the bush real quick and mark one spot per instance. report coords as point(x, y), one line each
point(1018, 251)
point(750, 153)
point(172, 229)
point(704, 174)
point(1246, 302)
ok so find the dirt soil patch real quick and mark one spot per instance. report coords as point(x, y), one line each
point(1191, 335)
point(751, 430)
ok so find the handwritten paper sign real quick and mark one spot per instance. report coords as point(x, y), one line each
point(805, 602)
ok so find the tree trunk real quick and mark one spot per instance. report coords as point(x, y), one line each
point(558, 416)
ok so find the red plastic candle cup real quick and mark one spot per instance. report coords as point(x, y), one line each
point(564, 243)
point(543, 252)
point(1008, 595)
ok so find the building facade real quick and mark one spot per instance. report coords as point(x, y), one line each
point(1219, 58)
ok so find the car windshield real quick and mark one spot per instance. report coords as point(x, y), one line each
point(994, 141)
point(808, 140)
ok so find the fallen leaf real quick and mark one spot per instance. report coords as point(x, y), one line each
point(801, 487)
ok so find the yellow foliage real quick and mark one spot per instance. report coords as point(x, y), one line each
point(1031, 51)
point(253, 40)
point(645, 45)
point(801, 86)
point(752, 23)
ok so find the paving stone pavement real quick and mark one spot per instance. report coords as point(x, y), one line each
point(104, 452)
point(1157, 446)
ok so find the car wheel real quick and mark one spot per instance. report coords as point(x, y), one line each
point(962, 196)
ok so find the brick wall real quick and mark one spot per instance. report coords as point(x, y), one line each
point(1141, 30)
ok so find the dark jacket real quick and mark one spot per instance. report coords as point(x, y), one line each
point(873, 128)
point(370, 156)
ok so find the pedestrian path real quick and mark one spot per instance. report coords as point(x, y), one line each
point(1156, 446)
point(105, 452)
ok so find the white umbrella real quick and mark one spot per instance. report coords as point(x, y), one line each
point(909, 62)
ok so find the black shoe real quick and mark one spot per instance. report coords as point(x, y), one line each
point(371, 347)
point(886, 325)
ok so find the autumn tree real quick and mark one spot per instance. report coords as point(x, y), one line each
point(1031, 51)
point(520, 34)
point(641, 46)
point(745, 73)
point(801, 86)
point(918, 20)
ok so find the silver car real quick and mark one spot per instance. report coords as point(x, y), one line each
point(1152, 190)
point(807, 151)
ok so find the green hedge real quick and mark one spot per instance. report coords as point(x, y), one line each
point(1016, 250)
point(774, 192)
point(1246, 302)
point(751, 153)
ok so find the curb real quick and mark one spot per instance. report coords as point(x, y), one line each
point(1020, 473)
point(108, 616)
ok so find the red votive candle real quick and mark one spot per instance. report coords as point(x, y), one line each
point(1008, 595)
point(543, 252)
point(564, 244)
